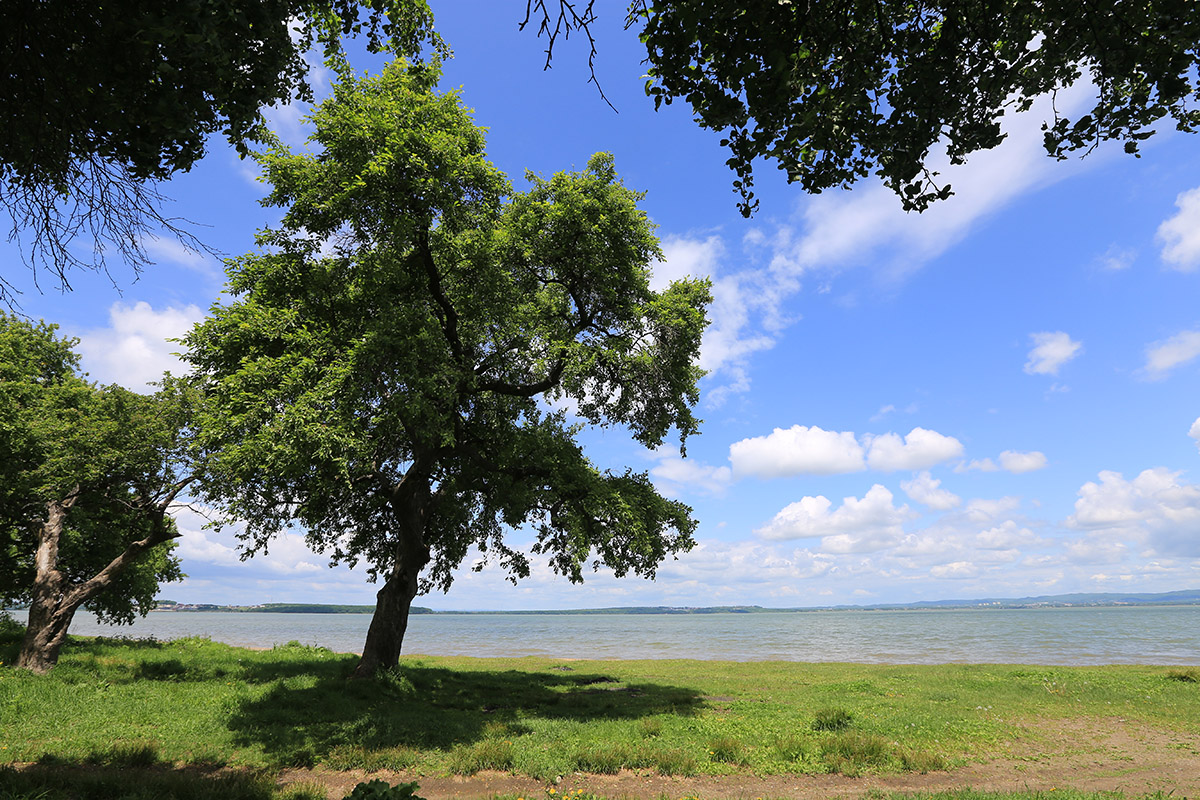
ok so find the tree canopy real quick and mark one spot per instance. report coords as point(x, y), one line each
point(388, 372)
point(834, 92)
point(87, 474)
point(102, 99)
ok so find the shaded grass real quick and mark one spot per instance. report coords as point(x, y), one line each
point(61, 782)
point(193, 703)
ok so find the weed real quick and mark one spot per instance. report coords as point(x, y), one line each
point(601, 759)
point(650, 727)
point(852, 753)
point(727, 750)
point(792, 748)
point(381, 790)
point(832, 719)
point(466, 759)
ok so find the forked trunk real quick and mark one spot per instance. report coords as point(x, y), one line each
point(385, 636)
point(44, 637)
point(50, 611)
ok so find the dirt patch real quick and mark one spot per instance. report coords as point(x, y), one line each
point(1113, 755)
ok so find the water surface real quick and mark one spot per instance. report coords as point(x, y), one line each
point(1100, 635)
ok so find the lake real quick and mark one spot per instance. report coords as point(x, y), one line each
point(1097, 635)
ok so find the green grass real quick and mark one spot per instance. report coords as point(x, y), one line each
point(198, 705)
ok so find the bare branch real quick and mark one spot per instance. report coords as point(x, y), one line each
point(102, 210)
point(566, 20)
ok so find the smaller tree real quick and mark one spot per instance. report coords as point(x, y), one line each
point(87, 476)
point(381, 371)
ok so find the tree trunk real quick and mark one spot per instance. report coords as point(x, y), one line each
point(55, 600)
point(49, 618)
point(385, 636)
point(44, 637)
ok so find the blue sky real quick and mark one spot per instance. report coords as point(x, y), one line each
point(998, 397)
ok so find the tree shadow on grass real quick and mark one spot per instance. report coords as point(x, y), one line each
point(57, 779)
point(424, 707)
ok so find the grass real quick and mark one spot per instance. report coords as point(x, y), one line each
point(193, 706)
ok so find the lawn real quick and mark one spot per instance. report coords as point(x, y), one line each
point(198, 707)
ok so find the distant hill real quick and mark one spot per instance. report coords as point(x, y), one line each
point(1183, 597)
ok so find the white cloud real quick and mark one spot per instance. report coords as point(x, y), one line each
point(925, 489)
point(977, 464)
point(676, 475)
point(1006, 536)
point(797, 450)
point(741, 315)
point(1156, 506)
point(1017, 462)
point(1195, 431)
point(1050, 351)
point(856, 526)
point(133, 350)
point(1117, 258)
point(921, 448)
point(1162, 357)
point(854, 227)
point(174, 251)
point(1180, 234)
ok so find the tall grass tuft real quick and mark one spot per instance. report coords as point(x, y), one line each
point(832, 719)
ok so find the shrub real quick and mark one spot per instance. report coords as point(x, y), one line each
point(381, 790)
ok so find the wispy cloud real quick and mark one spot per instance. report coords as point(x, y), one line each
point(1050, 351)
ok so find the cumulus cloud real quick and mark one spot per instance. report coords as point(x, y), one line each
point(920, 449)
point(1180, 234)
point(133, 350)
point(927, 491)
point(1156, 505)
point(802, 450)
point(1006, 536)
point(1050, 351)
point(1017, 462)
point(798, 450)
point(1162, 357)
point(675, 475)
point(856, 526)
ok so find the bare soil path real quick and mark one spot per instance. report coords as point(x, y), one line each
point(1112, 755)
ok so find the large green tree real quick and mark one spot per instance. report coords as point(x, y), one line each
point(87, 477)
point(102, 99)
point(382, 375)
point(835, 91)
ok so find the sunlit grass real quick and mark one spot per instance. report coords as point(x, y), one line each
point(128, 704)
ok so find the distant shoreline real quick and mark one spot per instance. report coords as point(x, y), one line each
point(1079, 600)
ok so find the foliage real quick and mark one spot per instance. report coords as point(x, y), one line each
point(381, 790)
point(834, 93)
point(382, 373)
point(102, 99)
point(86, 474)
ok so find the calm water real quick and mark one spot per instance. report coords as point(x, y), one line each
point(1119, 635)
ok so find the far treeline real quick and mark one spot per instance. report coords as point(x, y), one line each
point(1184, 597)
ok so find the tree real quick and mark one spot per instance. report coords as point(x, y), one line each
point(103, 99)
point(386, 373)
point(833, 92)
point(87, 476)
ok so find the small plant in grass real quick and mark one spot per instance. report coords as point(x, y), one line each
point(602, 760)
point(792, 748)
point(381, 790)
point(922, 761)
point(851, 753)
point(832, 719)
point(1185, 675)
point(727, 750)
point(466, 759)
point(650, 727)
point(395, 683)
point(674, 761)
